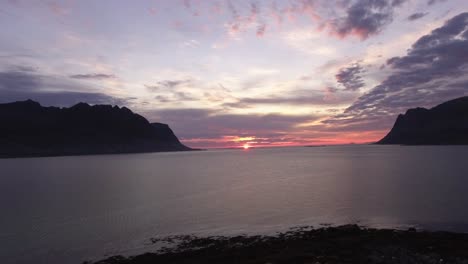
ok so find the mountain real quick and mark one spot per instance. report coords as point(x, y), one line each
point(445, 124)
point(29, 129)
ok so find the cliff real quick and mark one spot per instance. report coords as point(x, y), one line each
point(29, 129)
point(445, 124)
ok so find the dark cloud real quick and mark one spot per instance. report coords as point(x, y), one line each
point(18, 81)
point(350, 77)
point(167, 85)
point(328, 96)
point(417, 16)
point(184, 96)
point(22, 84)
point(365, 17)
point(434, 70)
point(163, 99)
point(431, 2)
point(93, 76)
point(362, 18)
point(172, 90)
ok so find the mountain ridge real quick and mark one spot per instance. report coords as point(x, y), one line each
point(29, 129)
point(444, 124)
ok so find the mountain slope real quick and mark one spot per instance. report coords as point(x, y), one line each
point(445, 124)
point(29, 129)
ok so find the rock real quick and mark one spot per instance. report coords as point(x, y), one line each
point(29, 129)
point(445, 124)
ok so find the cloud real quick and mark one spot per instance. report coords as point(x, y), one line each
point(176, 97)
point(18, 81)
point(261, 30)
point(327, 96)
point(417, 16)
point(152, 11)
point(168, 85)
point(173, 91)
point(57, 9)
point(187, 4)
point(431, 2)
point(434, 70)
point(93, 76)
point(191, 43)
point(365, 18)
point(250, 18)
point(163, 99)
point(22, 84)
point(235, 24)
point(361, 18)
point(192, 124)
point(350, 77)
point(214, 128)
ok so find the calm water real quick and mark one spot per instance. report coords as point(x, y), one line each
point(71, 209)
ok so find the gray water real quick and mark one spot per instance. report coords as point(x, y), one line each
point(71, 209)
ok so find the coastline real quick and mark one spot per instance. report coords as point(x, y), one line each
point(342, 244)
point(53, 155)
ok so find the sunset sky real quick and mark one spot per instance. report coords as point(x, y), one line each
point(223, 73)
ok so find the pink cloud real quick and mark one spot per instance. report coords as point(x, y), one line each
point(256, 16)
point(309, 9)
point(57, 9)
point(216, 8)
point(153, 11)
point(261, 30)
point(275, 14)
point(177, 24)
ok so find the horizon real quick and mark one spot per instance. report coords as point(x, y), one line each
point(223, 74)
point(236, 146)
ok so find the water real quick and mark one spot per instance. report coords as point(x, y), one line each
point(71, 209)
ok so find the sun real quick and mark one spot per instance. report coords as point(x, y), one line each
point(246, 146)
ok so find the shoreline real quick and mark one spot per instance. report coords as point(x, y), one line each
point(94, 154)
point(341, 244)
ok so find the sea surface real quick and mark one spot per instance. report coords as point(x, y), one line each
point(72, 209)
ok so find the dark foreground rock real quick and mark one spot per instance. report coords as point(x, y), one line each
point(445, 124)
point(345, 244)
point(29, 129)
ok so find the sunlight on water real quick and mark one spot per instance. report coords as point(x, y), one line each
point(75, 208)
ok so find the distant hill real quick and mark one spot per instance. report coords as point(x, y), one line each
point(445, 124)
point(29, 129)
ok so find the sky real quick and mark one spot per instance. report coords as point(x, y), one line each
point(224, 73)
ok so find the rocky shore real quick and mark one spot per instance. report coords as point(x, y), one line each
point(343, 244)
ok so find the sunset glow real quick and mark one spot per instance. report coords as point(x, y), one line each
point(222, 73)
point(221, 131)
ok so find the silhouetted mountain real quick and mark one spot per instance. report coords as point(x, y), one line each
point(445, 124)
point(29, 129)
